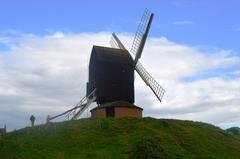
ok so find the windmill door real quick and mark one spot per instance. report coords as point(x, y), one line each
point(110, 112)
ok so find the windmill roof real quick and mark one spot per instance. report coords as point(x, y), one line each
point(113, 55)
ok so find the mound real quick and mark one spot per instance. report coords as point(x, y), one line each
point(120, 138)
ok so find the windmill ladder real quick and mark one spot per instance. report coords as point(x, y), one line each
point(80, 107)
point(83, 107)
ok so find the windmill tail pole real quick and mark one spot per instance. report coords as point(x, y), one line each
point(143, 40)
point(56, 116)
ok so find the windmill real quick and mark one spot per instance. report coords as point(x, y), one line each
point(111, 77)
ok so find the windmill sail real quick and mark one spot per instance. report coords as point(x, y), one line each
point(141, 34)
point(156, 88)
point(116, 43)
point(150, 81)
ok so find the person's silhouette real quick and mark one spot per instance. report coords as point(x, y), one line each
point(32, 118)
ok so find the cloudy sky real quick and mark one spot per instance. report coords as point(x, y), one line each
point(193, 51)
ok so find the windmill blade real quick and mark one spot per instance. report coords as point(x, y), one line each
point(116, 43)
point(150, 81)
point(137, 48)
point(113, 42)
point(141, 34)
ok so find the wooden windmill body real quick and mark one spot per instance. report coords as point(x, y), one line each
point(111, 77)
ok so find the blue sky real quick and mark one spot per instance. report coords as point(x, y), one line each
point(210, 24)
point(193, 51)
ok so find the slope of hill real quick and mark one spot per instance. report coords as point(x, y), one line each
point(120, 138)
point(235, 131)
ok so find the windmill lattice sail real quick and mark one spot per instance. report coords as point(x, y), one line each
point(141, 34)
point(136, 50)
point(157, 89)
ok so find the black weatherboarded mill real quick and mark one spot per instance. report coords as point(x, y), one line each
point(111, 73)
point(111, 77)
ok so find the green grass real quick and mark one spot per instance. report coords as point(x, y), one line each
point(116, 138)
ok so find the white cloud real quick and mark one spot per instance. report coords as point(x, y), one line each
point(236, 72)
point(184, 22)
point(47, 75)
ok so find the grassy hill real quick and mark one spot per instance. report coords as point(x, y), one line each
point(121, 138)
point(235, 131)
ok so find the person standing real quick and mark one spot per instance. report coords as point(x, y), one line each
point(32, 119)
